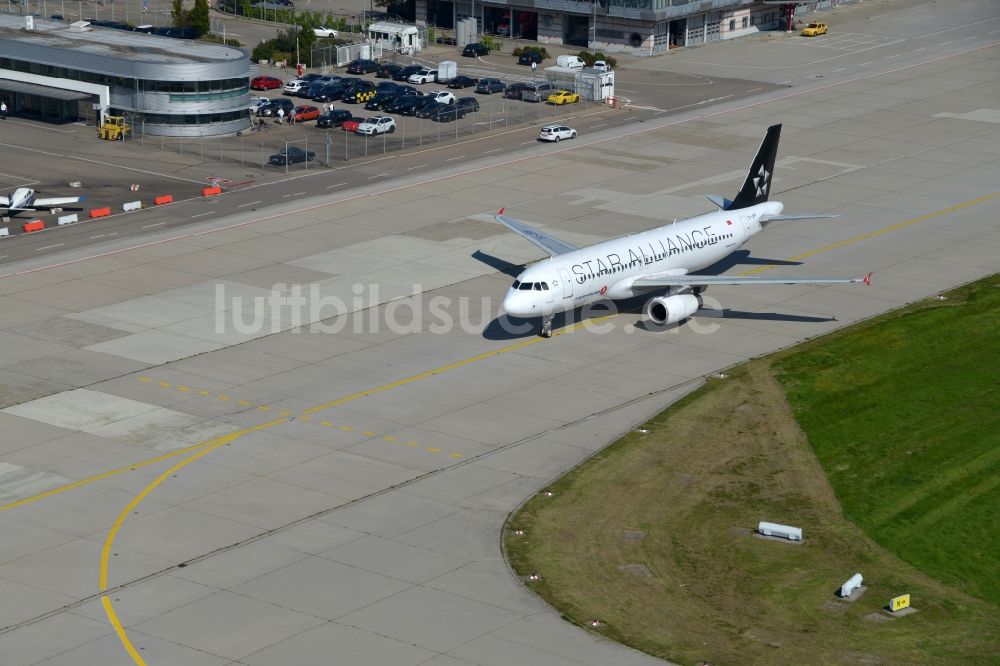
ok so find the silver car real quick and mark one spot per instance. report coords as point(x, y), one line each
point(556, 133)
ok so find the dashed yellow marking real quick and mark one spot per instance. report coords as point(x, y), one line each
point(204, 393)
point(455, 455)
point(368, 433)
point(223, 397)
point(389, 438)
point(305, 418)
point(165, 384)
point(411, 444)
point(322, 423)
point(245, 403)
point(346, 428)
point(145, 380)
point(183, 389)
point(264, 408)
point(285, 412)
point(433, 449)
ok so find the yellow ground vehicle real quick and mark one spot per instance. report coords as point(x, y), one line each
point(114, 128)
point(563, 97)
point(814, 28)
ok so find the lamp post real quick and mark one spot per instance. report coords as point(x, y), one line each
point(593, 28)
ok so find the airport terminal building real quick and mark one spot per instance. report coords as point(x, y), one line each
point(165, 86)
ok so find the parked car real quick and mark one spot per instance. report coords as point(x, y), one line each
point(334, 118)
point(529, 57)
point(293, 86)
point(561, 97)
point(423, 76)
point(418, 104)
point(362, 66)
point(490, 86)
point(405, 73)
point(311, 90)
point(814, 29)
point(352, 124)
point(386, 86)
point(442, 96)
point(383, 99)
point(377, 125)
point(324, 32)
point(271, 109)
point(570, 62)
point(291, 155)
point(329, 92)
point(304, 113)
point(556, 133)
point(538, 92)
point(462, 81)
point(515, 90)
point(475, 50)
point(446, 113)
point(387, 70)
point(360, 92)
point(265, 83)
point(310, 77)
point(601, 66)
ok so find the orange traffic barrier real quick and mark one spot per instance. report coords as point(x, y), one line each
point(34, 225)
point(209, 191)
point(163, 199)
point(100, 212)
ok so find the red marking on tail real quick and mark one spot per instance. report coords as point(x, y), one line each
point(500, 212)
point(868, 280)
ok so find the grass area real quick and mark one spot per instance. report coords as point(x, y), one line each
point(653, 536)
point(904, 416)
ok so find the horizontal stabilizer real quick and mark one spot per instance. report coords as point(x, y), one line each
point(722, 202)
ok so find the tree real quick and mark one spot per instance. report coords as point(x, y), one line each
point(178, 14)
point(198, 17)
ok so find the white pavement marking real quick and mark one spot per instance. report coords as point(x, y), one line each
point(203, 214)
point(892, 56)
point(866, 63)
point(452, 159)
point(329, 187)
point(419, 166)
point(252, 203)
point(150, 226)
point(49, 247)
point(378, 175)
point(495, 150)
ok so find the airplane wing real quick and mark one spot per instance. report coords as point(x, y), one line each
point(548, 243)
point(55, 201)
point(4, 202)
point(652, 281)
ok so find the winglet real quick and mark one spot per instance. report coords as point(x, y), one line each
point(868, 280)
point(502, 209)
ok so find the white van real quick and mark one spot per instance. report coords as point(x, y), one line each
point(571, 61)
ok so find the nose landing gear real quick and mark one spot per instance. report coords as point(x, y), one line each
point(546, 331)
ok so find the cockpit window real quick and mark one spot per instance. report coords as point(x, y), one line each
point(517, 284)
point(545, 286)
point(537, 286)
point(525, 286)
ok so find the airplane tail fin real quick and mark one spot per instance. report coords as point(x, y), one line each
point(758, 183)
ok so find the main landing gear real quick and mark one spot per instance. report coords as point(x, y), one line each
point(546, 331)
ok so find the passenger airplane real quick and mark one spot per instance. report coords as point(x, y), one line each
point(661, 259)
point(24, 199)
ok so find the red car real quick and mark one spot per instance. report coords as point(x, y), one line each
point(304, 113)
point(265, 83)
point(352, 124)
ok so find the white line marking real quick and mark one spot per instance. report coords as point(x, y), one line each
point(754, 90)
point(297, 194)
point(923, 48)
point(784, 83)
point(840, 69)
point(49, 247)
point(971, 37)
point(150, 226)
point(945, 43)
point(330, 187)
point(98, 236)
point(452, 159)
point(495, 150)
point(419, 166)
point(866, 63)
point(252, 203)
point(525, 143)
point(202, 214)
point(378, 175)
point(598, 125)
point(892, 56)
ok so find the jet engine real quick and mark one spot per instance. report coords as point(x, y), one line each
point(672, 309)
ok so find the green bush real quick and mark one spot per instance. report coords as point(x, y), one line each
point(540, 50)
point(590, 58)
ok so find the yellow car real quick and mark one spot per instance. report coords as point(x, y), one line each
point(563, 97)
point(814, 28)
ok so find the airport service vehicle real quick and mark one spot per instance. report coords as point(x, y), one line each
point(423, 76)
point(360, 92)
point(265, 83)
point(571, 61)
point(561, 97)
point(377, 125)
point(814, 29)
point(659, 262)
point(556, 133)
point(114, 128)
point(24, 198)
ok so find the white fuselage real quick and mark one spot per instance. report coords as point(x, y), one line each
point(23, 198)
point(608, 269)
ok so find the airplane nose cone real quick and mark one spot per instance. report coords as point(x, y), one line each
point(515, 304)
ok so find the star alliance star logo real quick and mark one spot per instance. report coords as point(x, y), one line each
point(761, 181)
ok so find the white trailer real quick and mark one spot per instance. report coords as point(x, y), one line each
point(398, 37)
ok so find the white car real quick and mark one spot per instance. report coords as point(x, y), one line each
point(424, 76)
point(442, 96)
point(324, 32)
point(556, 133)
point(377, 125)
point(294, 86)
